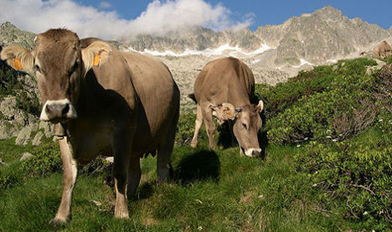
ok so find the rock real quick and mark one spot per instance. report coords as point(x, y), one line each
point(11, 112)
point(24, 135)
point(110, 159)
point(48, 128)
point(3, 163)
point(382, 50)
point(25, 156)
point(37, 139)
point(8, 130)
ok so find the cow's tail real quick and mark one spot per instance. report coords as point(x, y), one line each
point(192, 96)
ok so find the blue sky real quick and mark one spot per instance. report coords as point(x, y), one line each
point(121, 19)
point(273, 11)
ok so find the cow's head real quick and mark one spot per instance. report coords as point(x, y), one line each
point(247, 123)
point(59, 64)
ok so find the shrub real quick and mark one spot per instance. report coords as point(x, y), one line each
point(357, 174)
point(330, 102)
point(46, 159)
point(283, 95)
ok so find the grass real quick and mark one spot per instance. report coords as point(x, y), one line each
point(297, 186)
point(213, 191)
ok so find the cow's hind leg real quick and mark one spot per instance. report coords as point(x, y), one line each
point(69, 180)
point(165, 149)
point(198, 124)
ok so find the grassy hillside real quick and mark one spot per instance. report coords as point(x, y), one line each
point(328, 167)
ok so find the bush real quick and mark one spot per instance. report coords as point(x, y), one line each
point(283, 95)
point(46, 159)
point(330, 102)
point(357, 174)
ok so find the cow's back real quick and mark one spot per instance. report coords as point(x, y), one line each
point(225, 80)
point(159, 97)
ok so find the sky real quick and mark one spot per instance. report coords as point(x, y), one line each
point(119, 19)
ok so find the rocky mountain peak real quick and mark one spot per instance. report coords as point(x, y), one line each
point(328, 12)
point(7, 26)
point(10, 34)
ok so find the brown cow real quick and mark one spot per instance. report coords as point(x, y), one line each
point(104, 100)
point(223, 90)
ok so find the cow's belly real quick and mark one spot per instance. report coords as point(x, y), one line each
point(91, 143)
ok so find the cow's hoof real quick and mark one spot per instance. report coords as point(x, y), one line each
point(121, 215)
point(57, 221)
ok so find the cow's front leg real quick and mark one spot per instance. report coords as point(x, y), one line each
point(134, 174)
point(69, 180)
point(122, 157)
point(198, 123)
point(210, 127)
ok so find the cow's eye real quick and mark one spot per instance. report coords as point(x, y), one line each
point(245, 126)
point(37, 68)
point(74, 67)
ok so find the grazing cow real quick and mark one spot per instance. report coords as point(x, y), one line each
point(105, 102)
point(223, 90)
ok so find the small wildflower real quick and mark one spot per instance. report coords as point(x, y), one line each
point(298, 145)
point(365, 213)
point(334, 140)
point(200, 228)
point(328, 137)
point(315, 185)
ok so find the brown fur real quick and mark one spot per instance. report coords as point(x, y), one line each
point(223, 90)
point(128, 104)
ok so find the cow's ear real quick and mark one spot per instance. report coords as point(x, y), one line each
point(224, 112)
point(18, 58)
point(260, 106)
point(95, 54)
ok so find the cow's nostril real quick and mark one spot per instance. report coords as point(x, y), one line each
point(256, 152)
point(57, 110)
point(65, 109)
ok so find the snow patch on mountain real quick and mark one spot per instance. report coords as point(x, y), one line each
point(225, 49)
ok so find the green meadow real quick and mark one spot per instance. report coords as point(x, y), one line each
point(327, 166)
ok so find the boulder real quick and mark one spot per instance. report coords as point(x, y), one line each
point(48, 128)
point(382, 50)
point(10, 111)
point(37, 139)
point(25, 156)
point(24, 136)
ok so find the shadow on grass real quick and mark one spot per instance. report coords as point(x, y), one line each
point(226, 137)
point(202, 165)
point(145, 191)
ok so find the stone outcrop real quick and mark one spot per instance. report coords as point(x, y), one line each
point(382, 50)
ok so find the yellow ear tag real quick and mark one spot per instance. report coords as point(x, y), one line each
point(96, 60)
point(17, 65)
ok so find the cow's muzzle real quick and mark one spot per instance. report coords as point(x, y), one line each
point(58, 111)
point(253, 152)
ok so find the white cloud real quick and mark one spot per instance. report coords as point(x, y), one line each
point(159, 17)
